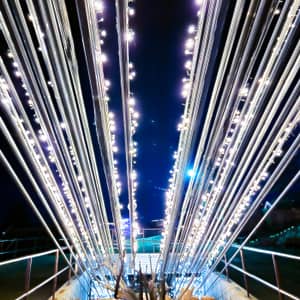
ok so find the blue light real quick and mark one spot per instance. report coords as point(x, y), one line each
point(191, 173)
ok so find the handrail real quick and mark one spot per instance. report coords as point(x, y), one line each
point(23, 239)
point(227, 264)
point(42, 284)
point(16, 246)
point(268, 252)
point(29, 258)
point(246, 273)
point(16, 240)
point(14, 260)
point(264, 282)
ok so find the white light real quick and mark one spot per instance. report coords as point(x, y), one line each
point(5, 101)
point(131, 12)
point(9, 54)
point(43, 138)
point(99, 6)
point(104, 58)
point(133, 175)
point(131, 101)
point(188, 64)
point(277, 12)
point(189, 44)
point(191, 29)
point(18, 74)
point(129, 36)
point(115, 149)
point(244, 92)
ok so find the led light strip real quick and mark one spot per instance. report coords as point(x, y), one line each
point(38, 159)
point(130, 115)
point(288, 81)
point(196, 43)
point(243, 90)
point(91, 14)
point(211, 211)
point(79, 206)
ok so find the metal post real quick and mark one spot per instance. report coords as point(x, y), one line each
point(277, 277)
point(114, 232)
point(226, 267)
point(70, 269)
point(76, 268)
point(27, 275)
point(244, 275)
point(162, 294)
point(143, 241)
point(55, 272)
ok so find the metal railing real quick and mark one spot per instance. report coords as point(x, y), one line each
point(227, 263)
point(246, 274)
point(18, 245)
point(29, 258)
point(143, 247)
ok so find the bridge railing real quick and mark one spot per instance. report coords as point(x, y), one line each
point(272, 278)
point(237, 262)
point(13, 247)
point(27, 278)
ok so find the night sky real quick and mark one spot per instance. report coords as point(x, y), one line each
point(157, 53)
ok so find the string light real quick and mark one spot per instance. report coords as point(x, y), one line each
point(200, 223)
point(130, 114)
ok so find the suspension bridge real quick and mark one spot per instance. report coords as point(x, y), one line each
point(239, 130)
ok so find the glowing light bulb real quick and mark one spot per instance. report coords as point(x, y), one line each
point(99, 6)
point(244, 92)
point(131, 12)
point(136, 115)
point(191, 29)
point(191, 173)
point(104, 58)
point(115, 149)
point(189, 45)
point(129, 36)
point(131, 101)
point(17, 74)
point(188, 65)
